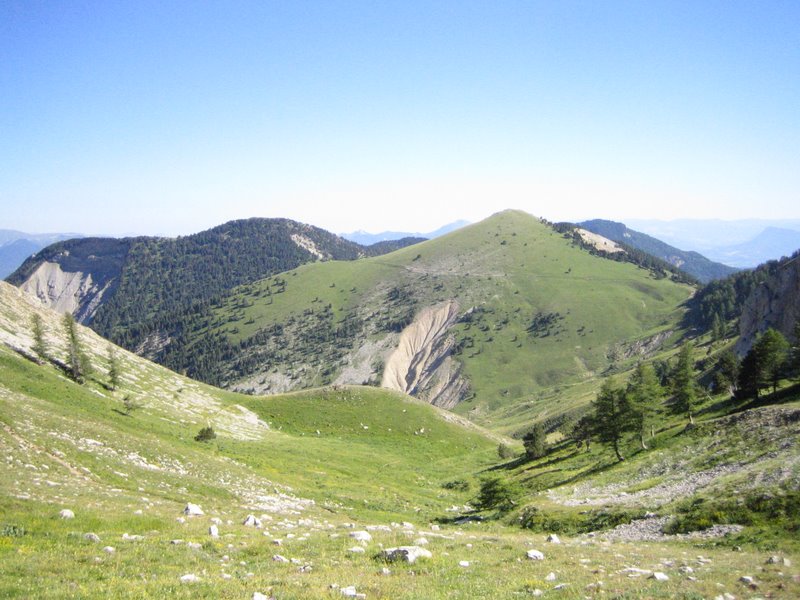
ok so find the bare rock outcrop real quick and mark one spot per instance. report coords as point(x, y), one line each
point(65, 291)
point(422, 365)
point(775, 303)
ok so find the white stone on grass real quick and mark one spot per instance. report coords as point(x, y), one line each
point(66, 514)
point(659, 576)
point(193, 510)
point(463, 563)
point(189, 578)
point(550, 577)
point(109, 549)
point(356, 550)
point(279, 559)
point(361, 536)
point(553, 539)
point(91, 537)
point(259, 596)
point(213, 531)
point(251, 521)
point(535, 555)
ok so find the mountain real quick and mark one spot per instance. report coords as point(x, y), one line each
point(108, 493)
point(16, 246)
point(693, 263)
point(771, 244)
point(366, 239)
point(126, 288)
point(495, 321)
point(743, 243)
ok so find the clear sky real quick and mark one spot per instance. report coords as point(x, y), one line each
point(169, 117)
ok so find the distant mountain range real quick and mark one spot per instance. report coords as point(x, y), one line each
point(367, 239)
point(743, 244)
point(693, 263)
point(16, 246)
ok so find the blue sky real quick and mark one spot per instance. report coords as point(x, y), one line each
point(171, 117)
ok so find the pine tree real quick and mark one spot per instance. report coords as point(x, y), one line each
point(113, 369)
point(643, 393)
point(613, 417)
point(77, 361)
point(717, 328)
point(726, 371)
point(764, 365)
point(39, 345)
point(535, 442)
point(794, 360)
point(684, 387)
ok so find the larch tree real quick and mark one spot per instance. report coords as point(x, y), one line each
point(684, 386)
point(39, 344)
point(77, 361)
point(644, 394)
point(613, 417)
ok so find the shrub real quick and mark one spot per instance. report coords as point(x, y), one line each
point(497, 493)
point(206, 434)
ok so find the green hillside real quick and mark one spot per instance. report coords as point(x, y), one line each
point(537, 315)
point(315, 466)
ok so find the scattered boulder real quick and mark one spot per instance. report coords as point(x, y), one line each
point(350, 592)
point(213, 531)
point(251, 521)
point(66, 514)
point(553, 539)
point(361, 536)
point(747, 580)
point(189, 578)
point(777, 560)
point(535, 555)
point(408, 554)
point(279, 559)
point(109, 549)
point(194, 545)
point(259, 596)
point(356, 550)
point(422, 542)
point(91, 537)
point(550, 577)
point(659, 576)
point(132, 538)
point(193, 510)
point(463, 563)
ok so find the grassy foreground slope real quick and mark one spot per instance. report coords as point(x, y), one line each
point(313, 466)
point(538, 314)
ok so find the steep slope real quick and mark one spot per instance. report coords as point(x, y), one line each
point(775, 303)
point(264, 444)
point(693, 263)
point(135, 290)
point(536, 312)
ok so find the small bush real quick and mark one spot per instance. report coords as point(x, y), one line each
point(206, 434)
point(505, 451)
point(9, 530)
point(497, 493)
point(459, 485)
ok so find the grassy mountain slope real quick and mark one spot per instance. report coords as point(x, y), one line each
point(537, 315)
point(365, 457)
point(693, 263)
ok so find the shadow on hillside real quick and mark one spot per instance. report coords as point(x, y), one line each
point(782, 396)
